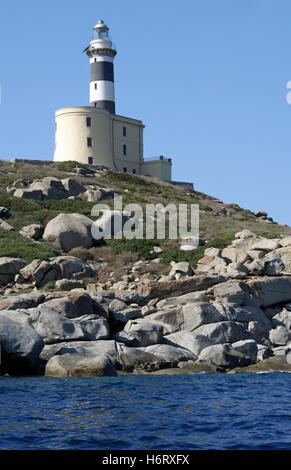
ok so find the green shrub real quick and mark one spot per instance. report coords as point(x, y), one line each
point(69, 165)
point(270, 234)
point(222, 241)
point(141, 248)
point(14, 245)
point(177, 255)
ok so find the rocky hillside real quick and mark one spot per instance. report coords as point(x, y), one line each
point(72, 306)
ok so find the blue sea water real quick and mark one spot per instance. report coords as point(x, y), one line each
point(197, 411)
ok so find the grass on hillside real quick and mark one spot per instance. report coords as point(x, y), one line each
point(26, 211)
point(217, 230)
point(14, 245)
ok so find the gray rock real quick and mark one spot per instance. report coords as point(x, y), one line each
point(55, 328)
point(91, 195)
point(213, 252)
point(23, 301)
point(129, 358)
point(68, 231)
point(245, 315)
point(234, 255)
point(141, 332)
point(9, 267)
point(35, 194)
point(95, 348)
point(62, 306)
point(273, 263)
point(94, 329)
point(117, 305)
point(285, 241)
point(245, 234)
point(69, 284)
point(48, 192)
point(265, 244)
point(231, 292)
point(184, 339)
point(168, 353)
point(261, 214)
point(218, 333)
point(255, 267)
point(192, 297)
point(198, 314)
point(255, 254)
point(20, 347)
point(39, 272)
point(129, 313)
point(4, 213)
point(181, 269)
point(224, 356)
point(19, 316)
point(264, 352)
point(5, 226)
point(73, 187)
point(33, 231)
point(54, 182)
point(279, 336)
point(236, 271)
point(267, 291)
point(71, 267)
point(282, 319)
point(247, 347)
point(79, 365)
point(170, 318)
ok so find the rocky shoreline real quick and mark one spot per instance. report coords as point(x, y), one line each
point(232, 314)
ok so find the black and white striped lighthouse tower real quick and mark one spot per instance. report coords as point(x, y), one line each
point(101, 53)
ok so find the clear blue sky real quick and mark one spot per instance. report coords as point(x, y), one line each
point(207, 77)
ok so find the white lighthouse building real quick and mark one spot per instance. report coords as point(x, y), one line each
point(95, 134)
point(101, 55)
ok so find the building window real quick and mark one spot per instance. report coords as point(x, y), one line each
point(134, 172)
point(95, 86)
point(89, 142)
point(88, 122)
point(124, 131)
point(125, 169)
point(90, 160)
point(124, 150)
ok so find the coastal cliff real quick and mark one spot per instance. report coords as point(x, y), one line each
point(71, 306)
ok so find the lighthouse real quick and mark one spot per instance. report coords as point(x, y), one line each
point(95, 134)
point(101, 53)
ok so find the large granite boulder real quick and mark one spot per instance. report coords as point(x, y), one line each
point(218, 333)
point(141, 333)
point(68, 231)
point(48, 191)
point(224, 356)
point(55, 328)
point(20, 347)
point(79, 365)
point(95, 348)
